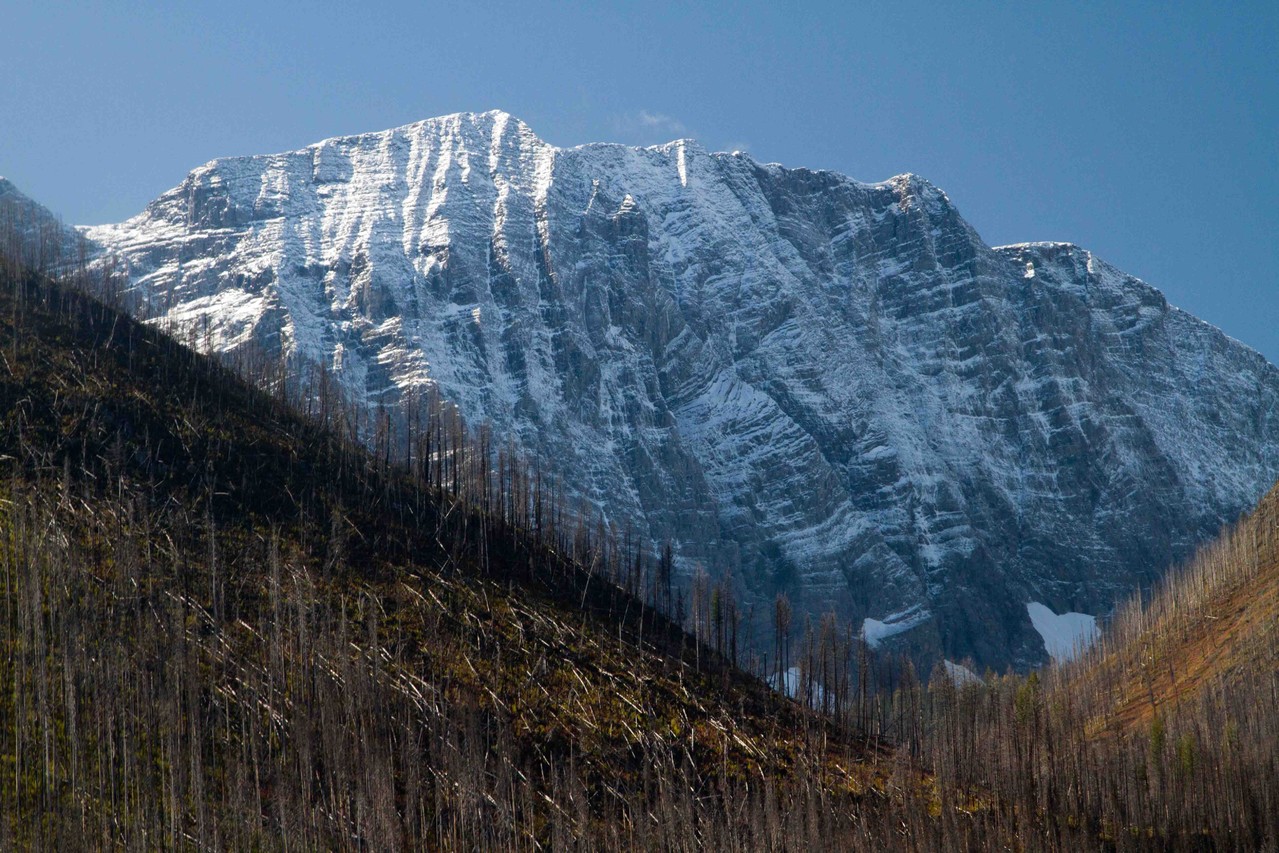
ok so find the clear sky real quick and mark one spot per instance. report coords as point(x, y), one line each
point(1148, 133)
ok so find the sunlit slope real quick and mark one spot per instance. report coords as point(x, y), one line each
point(1211, 625)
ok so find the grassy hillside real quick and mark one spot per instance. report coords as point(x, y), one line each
point(1212, 627)
point(1164, 735)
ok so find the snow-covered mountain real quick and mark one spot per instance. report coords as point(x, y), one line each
point(832, 388)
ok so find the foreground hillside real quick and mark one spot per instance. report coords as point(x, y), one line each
point(829, 388)
point(226, 627)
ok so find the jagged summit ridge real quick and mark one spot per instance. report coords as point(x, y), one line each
point(830, 388)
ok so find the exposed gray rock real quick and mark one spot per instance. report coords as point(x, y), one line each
point(832, 388)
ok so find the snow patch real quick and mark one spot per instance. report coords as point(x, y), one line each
point(787, 684)
point(875, 631)
point(1065, 634)
point(791, 686)
point(960, 675)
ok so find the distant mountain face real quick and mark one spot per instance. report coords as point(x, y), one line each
point(32, 234)
point(832, 389)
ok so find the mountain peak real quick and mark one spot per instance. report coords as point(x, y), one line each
point(486, 119)
point(909, 185)
point(486, 123)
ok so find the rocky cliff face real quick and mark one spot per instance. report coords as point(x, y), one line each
point(832, 388)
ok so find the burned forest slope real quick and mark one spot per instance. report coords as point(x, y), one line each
point(225, 624)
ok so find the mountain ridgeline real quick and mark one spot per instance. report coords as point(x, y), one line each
point(809, 385)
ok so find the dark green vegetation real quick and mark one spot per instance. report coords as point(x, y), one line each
point(227, 625)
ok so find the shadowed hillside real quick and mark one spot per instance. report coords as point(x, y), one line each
point(225, 626)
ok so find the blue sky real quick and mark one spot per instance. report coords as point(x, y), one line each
point(1147, 132)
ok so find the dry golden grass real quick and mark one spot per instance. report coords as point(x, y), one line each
point(1212, 622)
